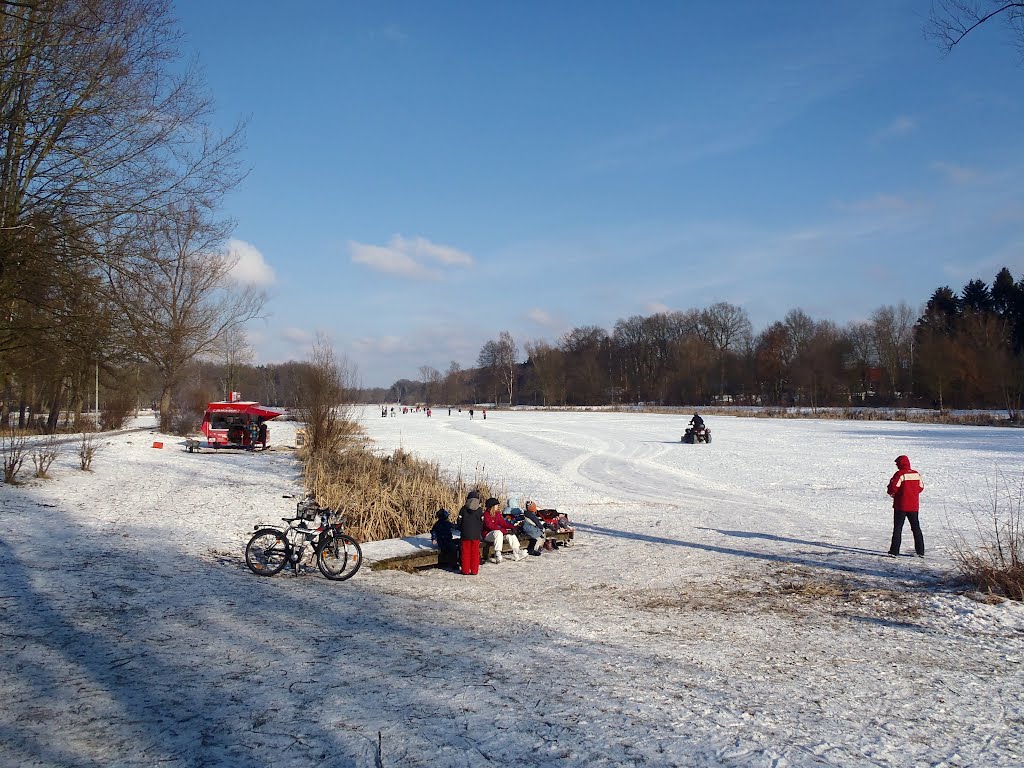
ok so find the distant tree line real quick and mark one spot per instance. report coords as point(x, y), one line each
point(965, 350)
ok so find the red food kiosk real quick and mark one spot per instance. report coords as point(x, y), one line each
point(233, 423)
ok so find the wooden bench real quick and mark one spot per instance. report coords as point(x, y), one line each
point(431, 558)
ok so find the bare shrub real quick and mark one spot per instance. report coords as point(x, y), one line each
point(993, 560)
point(116, 410)
point(189, 405)
point(324, 403)
point(43, 456)
point(87, 451)
point(14, 449)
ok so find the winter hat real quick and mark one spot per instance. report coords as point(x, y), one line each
point(442, 514)
point(491, 502)
point(473, 495)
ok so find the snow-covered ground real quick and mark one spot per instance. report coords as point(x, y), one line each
point(725, 604)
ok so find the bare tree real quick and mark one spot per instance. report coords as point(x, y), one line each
point(177, 298)
point(862, 356)
point(549, 366)
point(430, 377)
point(951, 21)
point(723, 326)
point(453, 383)
point(497, 364)
point(235, 352)
point(892, 328)
point(507, 354)
point(102, 129)
point(588, 365)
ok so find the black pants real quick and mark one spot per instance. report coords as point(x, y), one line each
point(897, 532)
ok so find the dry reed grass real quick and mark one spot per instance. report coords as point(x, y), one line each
point(993, 560)
point(385, 497)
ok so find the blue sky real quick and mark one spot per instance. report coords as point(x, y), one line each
point(425, 175)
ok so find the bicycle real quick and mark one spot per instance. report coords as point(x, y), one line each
point(337, 555)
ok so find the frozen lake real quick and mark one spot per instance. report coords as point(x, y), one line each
point(725, 604)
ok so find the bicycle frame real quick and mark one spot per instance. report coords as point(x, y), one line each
point(315, 531)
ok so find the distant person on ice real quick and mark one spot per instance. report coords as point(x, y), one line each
point(905, 487)
point(697, 422)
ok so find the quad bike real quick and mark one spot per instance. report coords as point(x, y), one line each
point(699, 435)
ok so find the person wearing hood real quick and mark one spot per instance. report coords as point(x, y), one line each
point(497, 529)
point(905, 487)
point(471, 526)
point(533, 528)
point(441, 537)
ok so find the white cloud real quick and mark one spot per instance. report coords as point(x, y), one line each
point(394, 33)
point(250, 268)
point(296, 336)
point(413, 258)
point(880, 203)
point(657, 308)
point(901, 126)
point(960, 174)
point(541, 317)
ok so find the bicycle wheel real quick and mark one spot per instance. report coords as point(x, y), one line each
point(267, 552)
point(339, 557)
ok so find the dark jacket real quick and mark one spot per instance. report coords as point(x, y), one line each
point(905, 486)
point(471, 523)
point(442, 532)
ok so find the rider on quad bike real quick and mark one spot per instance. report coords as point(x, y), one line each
point(696, 432)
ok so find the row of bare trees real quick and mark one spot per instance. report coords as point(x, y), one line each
point(111, 177)
point(964, 350)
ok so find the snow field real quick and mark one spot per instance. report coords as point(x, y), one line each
point(726, 604)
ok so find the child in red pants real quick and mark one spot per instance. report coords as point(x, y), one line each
point(471, 526)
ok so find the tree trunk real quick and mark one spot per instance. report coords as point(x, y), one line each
point(165, 408)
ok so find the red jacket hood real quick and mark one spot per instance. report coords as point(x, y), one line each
point(903, 462)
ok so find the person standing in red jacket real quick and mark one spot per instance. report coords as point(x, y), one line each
point(905, 487)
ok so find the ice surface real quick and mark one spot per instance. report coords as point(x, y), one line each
point(725, 604)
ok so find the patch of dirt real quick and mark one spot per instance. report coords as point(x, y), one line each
point(790, 591)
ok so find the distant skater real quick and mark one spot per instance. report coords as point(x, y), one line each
point(905, 487)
